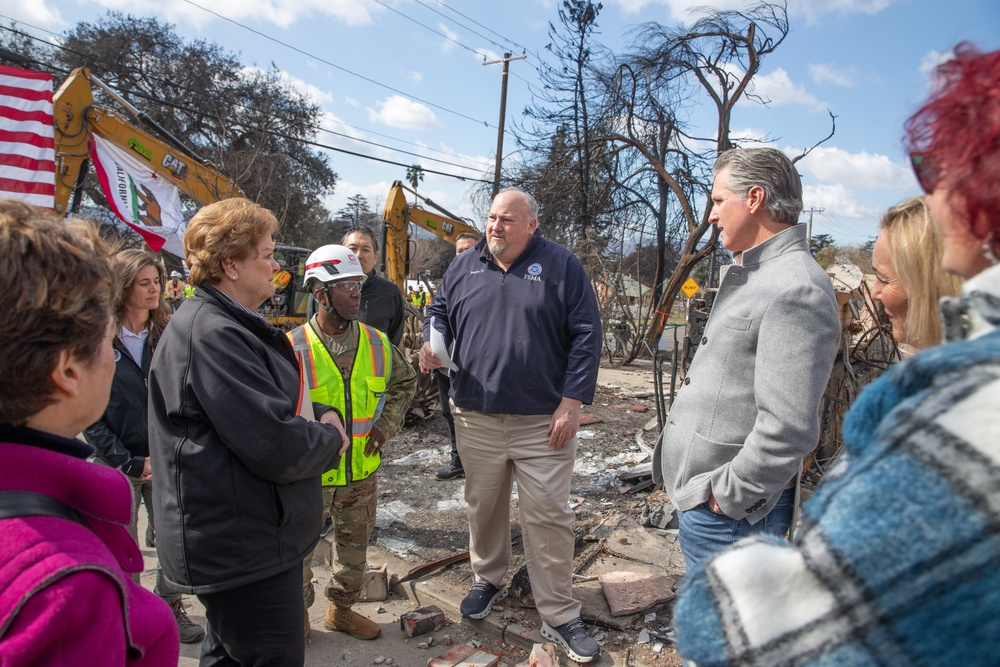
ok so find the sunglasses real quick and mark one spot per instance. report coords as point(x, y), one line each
point(927, 172)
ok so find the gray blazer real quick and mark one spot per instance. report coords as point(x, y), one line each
point(748, 411)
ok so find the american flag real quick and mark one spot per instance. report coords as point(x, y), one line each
point(27, 145)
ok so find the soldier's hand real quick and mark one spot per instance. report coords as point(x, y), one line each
point(375, 441)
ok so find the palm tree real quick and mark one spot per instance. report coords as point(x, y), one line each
point(414, 174)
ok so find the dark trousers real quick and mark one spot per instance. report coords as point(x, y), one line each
point(257, 625)
point(444, 387)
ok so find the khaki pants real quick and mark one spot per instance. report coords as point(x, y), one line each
point(497, 450)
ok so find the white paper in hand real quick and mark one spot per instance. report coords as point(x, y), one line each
point(440, 349)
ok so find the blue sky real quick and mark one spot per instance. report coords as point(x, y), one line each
point(408, 74)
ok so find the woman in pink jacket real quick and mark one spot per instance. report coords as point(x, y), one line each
point(66, 558)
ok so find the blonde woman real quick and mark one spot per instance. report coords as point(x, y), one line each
point(909, 279)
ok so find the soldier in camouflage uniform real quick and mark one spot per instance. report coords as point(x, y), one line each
point(355, 369)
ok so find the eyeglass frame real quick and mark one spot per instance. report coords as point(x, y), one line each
point(928, 174)
point(348, 285)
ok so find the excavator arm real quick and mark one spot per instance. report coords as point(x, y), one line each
point(77, 116)
point(397, 216)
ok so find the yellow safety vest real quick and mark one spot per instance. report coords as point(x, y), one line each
point(362, 406)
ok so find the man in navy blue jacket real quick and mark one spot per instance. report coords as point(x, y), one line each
point(527, 343)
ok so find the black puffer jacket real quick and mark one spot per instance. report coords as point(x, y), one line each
point(237, 483)
point(121, 435)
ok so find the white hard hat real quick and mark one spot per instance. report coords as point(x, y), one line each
point(332, 262)
point(175, 274)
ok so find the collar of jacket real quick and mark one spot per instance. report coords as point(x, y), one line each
point(486, 256)
point(793, 238)
point(49, 441)
point(261, 328)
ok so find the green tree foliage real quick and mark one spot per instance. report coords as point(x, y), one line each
point(414, 176)
point(818, 242)
point(247, 120)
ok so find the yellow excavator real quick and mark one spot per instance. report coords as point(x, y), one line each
point(76, 116)
point(396, 240)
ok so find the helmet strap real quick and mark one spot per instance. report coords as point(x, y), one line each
point(339, 322)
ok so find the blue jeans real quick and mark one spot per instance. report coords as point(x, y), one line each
point(703, 533)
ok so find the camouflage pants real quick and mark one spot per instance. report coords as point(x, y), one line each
point(353, 510)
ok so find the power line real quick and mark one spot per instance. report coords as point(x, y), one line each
point(426, 27)
point(487, 28)
point(338, 67)
point(488, 39)
point(203, 95)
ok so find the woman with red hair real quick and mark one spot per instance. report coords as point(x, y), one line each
point(898, 557)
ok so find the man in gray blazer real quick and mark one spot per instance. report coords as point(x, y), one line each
point(748, 411)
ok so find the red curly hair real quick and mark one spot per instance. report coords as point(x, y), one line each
point(958, 131)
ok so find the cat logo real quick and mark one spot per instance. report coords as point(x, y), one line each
point(149, 208)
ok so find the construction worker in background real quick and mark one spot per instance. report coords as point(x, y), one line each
point(281, 280)
point(421, 302)
point(354, 368)
point(174, 291)
point(189, 288)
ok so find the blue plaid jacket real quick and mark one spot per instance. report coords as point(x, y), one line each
point(898, 558)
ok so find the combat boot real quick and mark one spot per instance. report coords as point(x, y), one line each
point(190, 632)
point(344, 619)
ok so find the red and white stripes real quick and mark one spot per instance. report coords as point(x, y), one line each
point(27, 146)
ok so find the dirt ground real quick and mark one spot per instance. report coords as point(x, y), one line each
point(421, 520)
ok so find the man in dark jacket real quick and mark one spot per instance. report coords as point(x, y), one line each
point(381, 301)
point(527, 332)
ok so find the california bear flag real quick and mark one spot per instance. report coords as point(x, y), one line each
point(137, 195)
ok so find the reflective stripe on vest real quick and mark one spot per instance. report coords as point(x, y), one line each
point(369, 378)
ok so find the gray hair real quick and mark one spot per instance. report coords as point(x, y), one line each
point(528, 199)
point(770, 169)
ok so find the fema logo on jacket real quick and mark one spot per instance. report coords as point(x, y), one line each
point(533, 272)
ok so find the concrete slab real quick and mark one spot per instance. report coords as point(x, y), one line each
point(634, 593)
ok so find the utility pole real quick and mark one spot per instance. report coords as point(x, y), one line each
point(503, 114)
point(810, 211)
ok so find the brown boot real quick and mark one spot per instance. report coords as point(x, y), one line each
point(344, 619)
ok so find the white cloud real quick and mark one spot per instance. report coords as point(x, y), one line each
point(35, 12)
point(282, 13)
point(838, 76)
point(838, 201)
point(930, 61)
point(350, 101)
point(447, 46)
point(811, 10)
point(415, 77)
point(862, 171)
point(777, 88)
point(404, 114)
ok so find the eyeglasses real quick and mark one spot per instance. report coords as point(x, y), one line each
point(346, 285)
point(928, 174)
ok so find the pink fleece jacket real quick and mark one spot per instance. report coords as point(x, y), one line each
point(66, 594)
